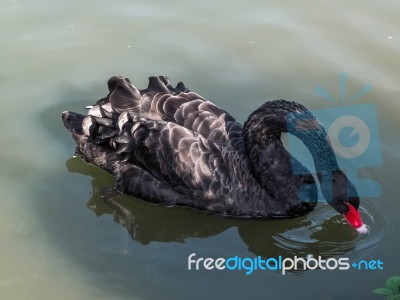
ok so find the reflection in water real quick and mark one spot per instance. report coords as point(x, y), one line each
point(322, 232)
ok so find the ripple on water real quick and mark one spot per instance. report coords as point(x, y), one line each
point(326, 233)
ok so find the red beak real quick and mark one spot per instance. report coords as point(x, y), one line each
point(354, 219)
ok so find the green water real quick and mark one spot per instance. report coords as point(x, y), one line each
point(58, 237)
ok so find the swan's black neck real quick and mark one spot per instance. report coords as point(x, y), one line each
point(262, 132)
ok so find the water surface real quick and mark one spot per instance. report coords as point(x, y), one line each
point(59, 238)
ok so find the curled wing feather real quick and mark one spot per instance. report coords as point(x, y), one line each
point(162, 102)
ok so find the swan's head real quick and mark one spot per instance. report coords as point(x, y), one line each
point(348, 207)
point(341, 194)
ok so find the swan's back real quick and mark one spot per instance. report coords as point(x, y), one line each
point(161, 101)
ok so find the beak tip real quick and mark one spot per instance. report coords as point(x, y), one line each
point(363, 229)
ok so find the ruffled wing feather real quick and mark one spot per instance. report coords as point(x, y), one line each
point(161, 101)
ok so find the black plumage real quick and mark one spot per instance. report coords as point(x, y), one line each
point(171, 146)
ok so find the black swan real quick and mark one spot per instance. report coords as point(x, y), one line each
point(171, 146)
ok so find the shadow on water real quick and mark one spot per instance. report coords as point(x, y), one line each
point(322, 232)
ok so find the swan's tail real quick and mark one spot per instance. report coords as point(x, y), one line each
point(73, 122)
